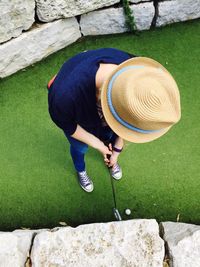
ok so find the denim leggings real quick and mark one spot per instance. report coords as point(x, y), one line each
point(78, 148)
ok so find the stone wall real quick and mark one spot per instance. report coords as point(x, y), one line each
point(138, 243)
point(31, 30)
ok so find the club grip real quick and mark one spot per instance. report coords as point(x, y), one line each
point(106, 143)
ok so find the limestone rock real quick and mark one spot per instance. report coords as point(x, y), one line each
point(48, 10)
point(177, 10)
point(15, 16)
point(112, 20)
point(127, 243)
point(138, 1)
point(14, 247)
point(183, 242)
point(36, 44)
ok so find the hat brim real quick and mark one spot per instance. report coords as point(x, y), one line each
point(119, 129)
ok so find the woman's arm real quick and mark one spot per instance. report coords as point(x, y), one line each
point(119, 143)
point(91, 140)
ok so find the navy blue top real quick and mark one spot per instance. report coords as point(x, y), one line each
point(72, 95)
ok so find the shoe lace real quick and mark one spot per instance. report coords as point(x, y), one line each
point(84, 178)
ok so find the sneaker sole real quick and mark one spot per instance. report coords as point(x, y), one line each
point(117, 178)
point(87, 190)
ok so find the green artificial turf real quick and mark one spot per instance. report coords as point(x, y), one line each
point(38, 186)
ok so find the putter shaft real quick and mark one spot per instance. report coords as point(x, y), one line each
point(115, 210)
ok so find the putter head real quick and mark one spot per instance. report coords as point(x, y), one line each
point(117, 214)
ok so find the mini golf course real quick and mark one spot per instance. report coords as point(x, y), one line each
point(161, 180)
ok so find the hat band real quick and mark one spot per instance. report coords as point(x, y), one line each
point(112, 109)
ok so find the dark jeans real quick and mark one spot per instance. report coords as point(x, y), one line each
point(78, 148)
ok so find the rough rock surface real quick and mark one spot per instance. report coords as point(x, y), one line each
point(128, 243)
point(112, 20)
point(14, 247)
point(36, 44)
point(138, 1)
point(177, 10)
point(48, 10)
point(183, 242)
point(15, 16)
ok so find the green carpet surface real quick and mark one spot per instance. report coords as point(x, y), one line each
point(161, 179)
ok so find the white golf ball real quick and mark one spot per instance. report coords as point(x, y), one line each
point(127, 211)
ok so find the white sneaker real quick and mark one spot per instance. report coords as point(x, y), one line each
point(85, 182)
point(116, 172)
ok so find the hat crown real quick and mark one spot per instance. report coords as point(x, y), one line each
point(140, 100)
point(143, 98)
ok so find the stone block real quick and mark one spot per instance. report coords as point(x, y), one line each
point(183, 243)
point(127, 243)
point(177, 10)
point(48, 10)
point(14, 247)
point(138, 1)
point(36, 44)
point(15, 17)
point(112, 20)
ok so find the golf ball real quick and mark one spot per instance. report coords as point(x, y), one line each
point(127, 211)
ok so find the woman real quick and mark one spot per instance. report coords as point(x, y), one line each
point(101, 97)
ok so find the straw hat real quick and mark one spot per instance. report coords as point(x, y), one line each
point(140, 100)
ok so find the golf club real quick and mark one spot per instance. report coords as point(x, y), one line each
point(115, 210)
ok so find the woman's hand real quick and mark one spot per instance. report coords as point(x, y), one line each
point(105, 151)
point(113, 159)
